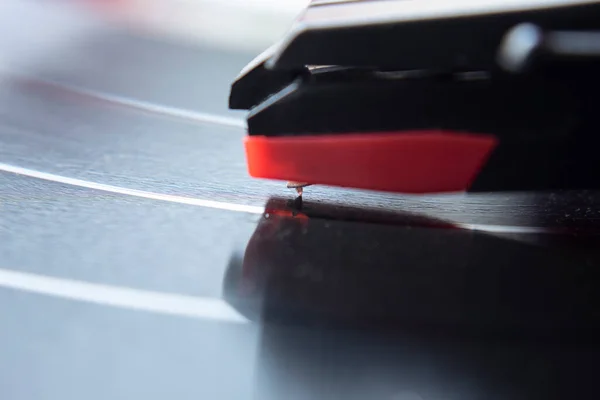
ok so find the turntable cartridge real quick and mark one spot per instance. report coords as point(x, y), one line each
point(429, 96)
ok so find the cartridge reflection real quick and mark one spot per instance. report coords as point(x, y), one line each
point(325, 265)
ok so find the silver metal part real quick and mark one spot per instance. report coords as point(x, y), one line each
point(298, 186)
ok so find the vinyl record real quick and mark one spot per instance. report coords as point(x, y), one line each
point(138, 259)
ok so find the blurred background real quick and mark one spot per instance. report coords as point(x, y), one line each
point(236, 24)
point(248, 25)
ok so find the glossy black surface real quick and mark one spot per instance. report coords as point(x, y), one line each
point(351, 101)
point(52, 347)
point(341, 35)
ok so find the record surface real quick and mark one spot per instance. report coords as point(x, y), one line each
point(131, 239)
